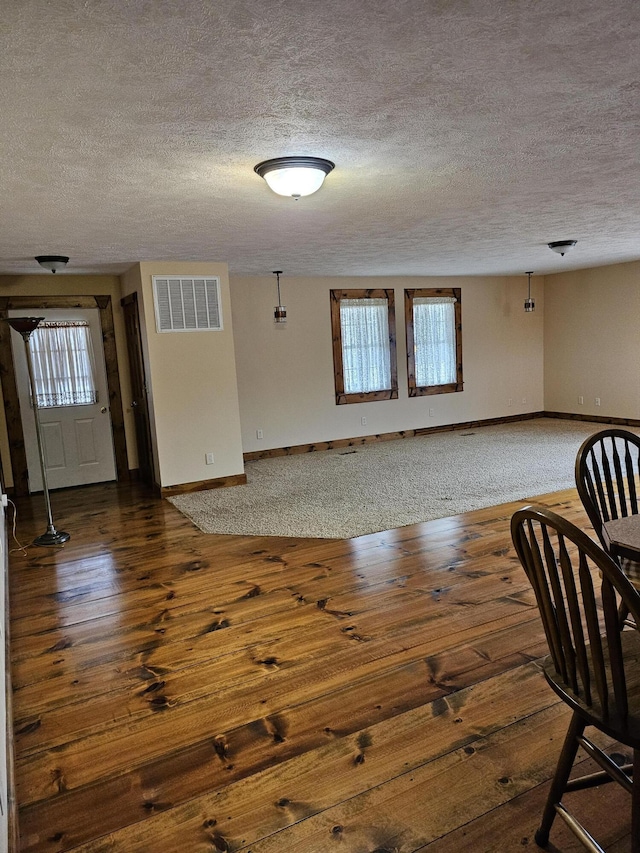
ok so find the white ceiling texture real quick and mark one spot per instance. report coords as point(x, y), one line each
point(466, 134)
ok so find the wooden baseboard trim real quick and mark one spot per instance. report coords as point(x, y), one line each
point(201, 485)
point(596, 419)
point(384, 436)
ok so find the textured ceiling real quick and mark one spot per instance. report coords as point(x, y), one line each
point(466, 134)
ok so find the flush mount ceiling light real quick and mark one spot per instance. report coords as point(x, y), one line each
point(52, 262)
point(529, 303)
point(294, 176)
point(562, 246)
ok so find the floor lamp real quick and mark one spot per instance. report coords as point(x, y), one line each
point(25, 326)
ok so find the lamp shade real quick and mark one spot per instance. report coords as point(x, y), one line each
point(294, 176)
point(24, 325)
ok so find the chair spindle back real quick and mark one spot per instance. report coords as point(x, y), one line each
point(578, 589)
point(608, 476)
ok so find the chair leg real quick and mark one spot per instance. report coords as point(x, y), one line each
point(635, 804)
point(563, 769)
point(623, 613)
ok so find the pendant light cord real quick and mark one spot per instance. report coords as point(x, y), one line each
point(277, 275)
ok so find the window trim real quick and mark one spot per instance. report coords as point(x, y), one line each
point(426, 292)
point(365, 396)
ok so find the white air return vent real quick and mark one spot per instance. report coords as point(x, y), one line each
point(187, 304)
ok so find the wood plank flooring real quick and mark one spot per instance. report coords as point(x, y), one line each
point(179, 691)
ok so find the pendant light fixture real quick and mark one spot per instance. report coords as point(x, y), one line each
point(52, 262)
point(529, 303)
point(562, 246)
point(280, 311)
point(294, 176)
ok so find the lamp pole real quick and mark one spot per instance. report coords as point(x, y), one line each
point(25, 326)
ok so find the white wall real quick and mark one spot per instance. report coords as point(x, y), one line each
point(588, 345)
point(192, 384)
point(592, 341)
point(285, 373)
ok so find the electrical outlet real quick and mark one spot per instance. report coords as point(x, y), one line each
point(432, 413)
point(524, 399)
point(363, 421)
point(259, 433)
point(581, 401)
point(597, 401)
point(208, 458)
point(510, 402)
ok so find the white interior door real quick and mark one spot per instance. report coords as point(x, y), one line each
point(77, 440)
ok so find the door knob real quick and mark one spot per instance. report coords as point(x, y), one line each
point(103, 410)
point(134, 403)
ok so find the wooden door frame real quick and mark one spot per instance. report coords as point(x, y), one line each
point(15, 434)
point(125, 302)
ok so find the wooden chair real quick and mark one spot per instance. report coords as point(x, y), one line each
point(593, 666)
point(608, 476)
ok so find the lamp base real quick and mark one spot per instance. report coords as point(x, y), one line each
point(52, 537)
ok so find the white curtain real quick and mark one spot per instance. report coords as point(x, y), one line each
point(63, 364)
point(366, 362)
point(434, 335)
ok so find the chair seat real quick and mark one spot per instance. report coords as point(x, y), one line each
point(627, 729)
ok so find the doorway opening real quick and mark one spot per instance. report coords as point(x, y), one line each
point(72, 400)
point(30, 305)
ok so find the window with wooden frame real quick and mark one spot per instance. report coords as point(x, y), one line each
point(433, 320)
point(364, 345)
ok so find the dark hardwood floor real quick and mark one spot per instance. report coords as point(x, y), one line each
point(177, 691)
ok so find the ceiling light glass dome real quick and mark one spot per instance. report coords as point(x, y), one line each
point(294, 176)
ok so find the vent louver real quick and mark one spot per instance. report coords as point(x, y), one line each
point(187, 304)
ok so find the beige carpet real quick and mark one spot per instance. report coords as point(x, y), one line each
point(357, 490)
